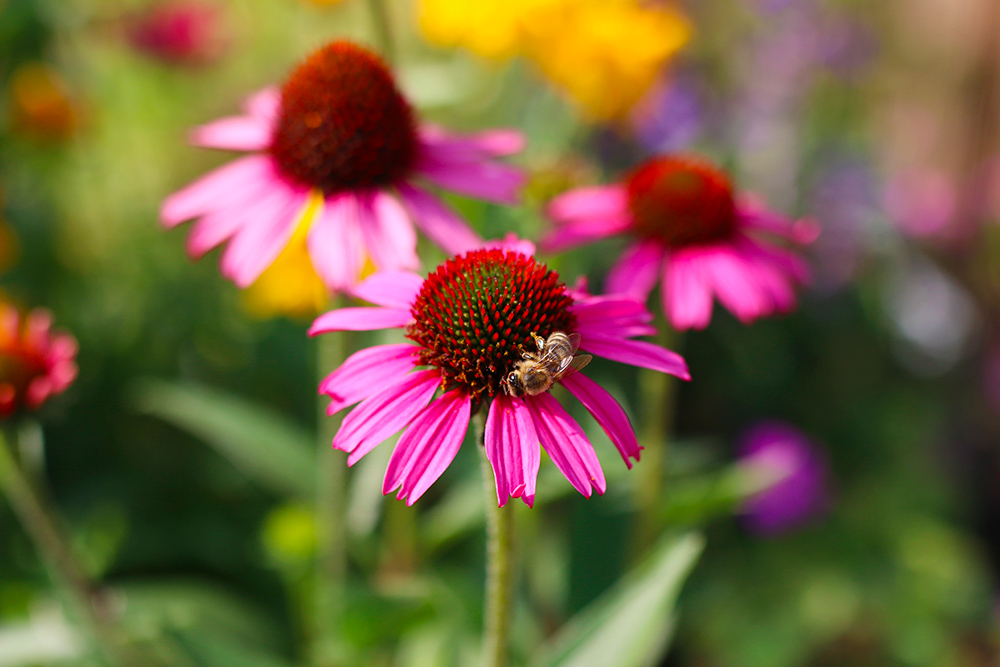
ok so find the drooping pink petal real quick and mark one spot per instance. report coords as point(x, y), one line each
point(612, 315)
point(389, 237)
point(428, 446)
point(264, 104)
point(366, 373)
point(437, 221)
point(588, 203)
point(234, 133)
point(586, 230)
point(489, 143)
point(476, 177)
point(566, 444)
point(608, 413)
point(379, 416)
point(335, 245)
point(512, 449)
point(637, 353)
point(256, 245)
point(216, 189)
point(360, 319)
point(636, 273)
point(219, 225)
point(754, 214)
point(686, 294)
point(392, 289)
point(783, 259)
point(735, 283)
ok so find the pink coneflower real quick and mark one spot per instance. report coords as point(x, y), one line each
point(338, 129)
point(694, 235)
point(182, 32)
point(469, 322)
point(35, 363)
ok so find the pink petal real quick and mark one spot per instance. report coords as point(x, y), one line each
point(393, 289)
point(566, 444)
point(360, 319)
point(475, 177)
point(590, 203)
point(687, 297)
point(608, 413)
point(217, 226)
point(735, 283)
point(511, 243)
point(379, 416)
point(428, 446)
point(232, 182)
point(437, 221)
point(234, 133)
point(335, 245)
point(264, 104)
point(256, 245)
point(635, 274)
point(494, 143)
point(753, 214)
point(366, 373)
point(637, 353)
point(612, 315)
point(580, 232)
point(512, 449)
point(389, 237)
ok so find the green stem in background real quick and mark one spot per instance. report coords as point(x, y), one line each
point(658, 392)
point(331, 508)
point(383, 29)
point(499, 531)
point(88, 603)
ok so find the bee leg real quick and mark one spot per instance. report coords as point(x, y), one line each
point(539, 341)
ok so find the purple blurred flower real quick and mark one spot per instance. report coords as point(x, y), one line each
point(844, 197)
point(802, 489)
point(670, 117)
point(181, 32)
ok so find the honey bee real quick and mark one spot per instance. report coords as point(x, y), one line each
point(538, 371)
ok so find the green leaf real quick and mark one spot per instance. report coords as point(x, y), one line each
point(631, 625)
point(268, 447)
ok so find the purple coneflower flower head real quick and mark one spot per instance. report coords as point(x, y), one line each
point(693, 235)
point(801, 491)
point(469, 323)
point(339, 131)
point(36, 363)
point(182, 32)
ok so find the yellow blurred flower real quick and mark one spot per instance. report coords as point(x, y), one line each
point(604, 53)
point(40, 103)
point(290, 285)
point(289, 534)
point(491, 28)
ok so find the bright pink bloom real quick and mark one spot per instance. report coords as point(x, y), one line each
point(470, 320)
point(693, 236)
point(184, 32)
point(341, 129)
point(35, 363)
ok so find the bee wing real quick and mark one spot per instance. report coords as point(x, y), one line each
point(571, 365)
point(551, 353)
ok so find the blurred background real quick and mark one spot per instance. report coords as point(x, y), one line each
point(175, 462)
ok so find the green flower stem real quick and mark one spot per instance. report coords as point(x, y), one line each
point(88, 603)
point(331, 507)
point(383, 29)
point(499, 570)
point(659, 393)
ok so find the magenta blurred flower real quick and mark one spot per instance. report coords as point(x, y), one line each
point(35, 362)
point(801, 491)
point(469, 322)
point(338, 132)
point(693, 235)
point(183, 32)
